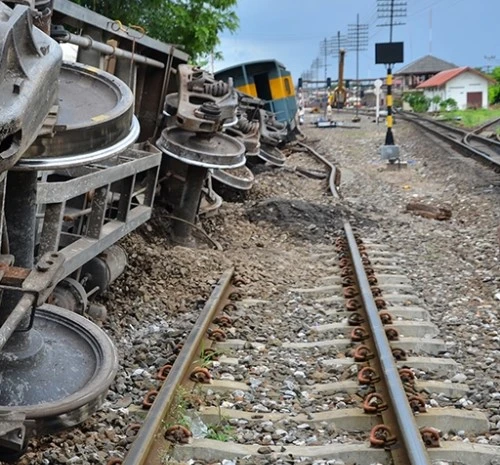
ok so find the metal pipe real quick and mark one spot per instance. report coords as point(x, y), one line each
point(411, 437)
point(87, 42)
point(138, 453)
point(17, 315)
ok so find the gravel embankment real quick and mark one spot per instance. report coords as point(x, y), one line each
point(453, 266)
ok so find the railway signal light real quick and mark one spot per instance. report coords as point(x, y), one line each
point(328, 82)
point(300, 83)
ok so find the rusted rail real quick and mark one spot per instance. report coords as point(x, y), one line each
point(334, 176)
point(405, 427)
point(142, 447)
point(469, 143)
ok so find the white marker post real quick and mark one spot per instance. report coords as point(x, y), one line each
point(378, 89)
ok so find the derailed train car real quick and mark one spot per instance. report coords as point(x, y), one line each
point(270, 81)
point(79, 170)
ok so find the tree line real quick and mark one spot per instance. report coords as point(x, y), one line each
point(193, 25)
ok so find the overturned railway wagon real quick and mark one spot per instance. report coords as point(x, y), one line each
point(268, 80)
point(77, 173)
point(84, 146)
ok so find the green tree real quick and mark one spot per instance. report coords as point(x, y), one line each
point(494, 90)
point(418, 102)
point(193, 25)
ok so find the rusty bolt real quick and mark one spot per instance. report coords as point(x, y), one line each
point(392, 334)
point(372, 280)
point(201, 375)
point(352, 305)
point(223, 321)
point(417, 403)
point(374, 403)
point(347, 271)
point(179, 434)
point(217, 335)
point(386, 318)
point(348, 281)
point(178, 348)
point(340, 244)
point(369, 271)
point(399, 354)
point(376, 291)
point(407, 376)
point(355, 319)
point(362, 353)
point(132, 430)
point(344, 262)
point(350, 291)
point(368, 375)
point(238, 281)
point(229, 307)
point(430, 436)
point(382, 436)
point(163, 372)
point(380, 303)
point(359, 334)
point(149, 398)
point(209, 354)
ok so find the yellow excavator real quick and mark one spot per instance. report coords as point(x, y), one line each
point(338, 97)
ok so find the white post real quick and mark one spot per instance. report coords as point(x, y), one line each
point(378, 85)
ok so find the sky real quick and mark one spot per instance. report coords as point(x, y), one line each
point(463, 32)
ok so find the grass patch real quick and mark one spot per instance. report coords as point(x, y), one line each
point(471, 118)
point(221, 431)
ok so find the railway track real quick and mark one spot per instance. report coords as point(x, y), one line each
point(359, 378)
point(470, 143)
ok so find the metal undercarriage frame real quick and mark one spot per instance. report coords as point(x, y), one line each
point(83, 211)
point(96, 205)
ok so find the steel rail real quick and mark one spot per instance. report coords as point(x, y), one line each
point(462, 143)
point(333, 170)
point(410, 434)
point(485, 125)
point(141, 447)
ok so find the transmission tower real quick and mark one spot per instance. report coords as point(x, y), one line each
point(357, 40)
point(315, 66)
point(332, 46)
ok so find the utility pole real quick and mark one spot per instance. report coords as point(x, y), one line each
point(326, 60)
point(331, 47)
point(358, 40)
point(489, 59)
point(390, 10)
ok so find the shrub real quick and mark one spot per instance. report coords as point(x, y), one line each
point(418, 102)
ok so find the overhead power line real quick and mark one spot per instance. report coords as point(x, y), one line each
point(390, 11)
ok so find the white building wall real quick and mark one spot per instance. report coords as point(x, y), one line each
point(458, 87)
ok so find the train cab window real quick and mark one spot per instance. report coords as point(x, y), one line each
point(288, 89)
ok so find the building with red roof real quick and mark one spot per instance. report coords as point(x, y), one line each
point(467, 86)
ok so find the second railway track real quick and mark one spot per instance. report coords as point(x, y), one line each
point(469, 143)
